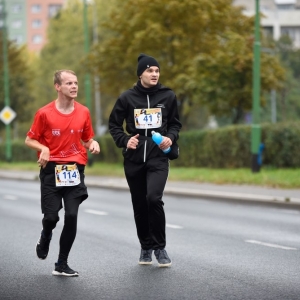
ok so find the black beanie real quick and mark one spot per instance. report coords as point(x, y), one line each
point(145, 62)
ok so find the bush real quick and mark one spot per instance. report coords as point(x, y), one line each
point(227, 147)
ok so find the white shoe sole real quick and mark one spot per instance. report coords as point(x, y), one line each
point(145, 263)
point(64, 274)
point(165, 265)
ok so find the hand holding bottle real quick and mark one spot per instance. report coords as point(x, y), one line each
point(158, 138)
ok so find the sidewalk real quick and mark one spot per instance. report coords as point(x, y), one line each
point(191, 189)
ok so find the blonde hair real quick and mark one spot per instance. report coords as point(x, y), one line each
point(57, 75)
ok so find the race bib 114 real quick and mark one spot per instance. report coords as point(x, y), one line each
point(67, 175)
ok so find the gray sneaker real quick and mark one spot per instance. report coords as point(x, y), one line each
point(162, 258)
point(145, 257)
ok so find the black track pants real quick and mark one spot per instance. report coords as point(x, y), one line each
point(147, 182)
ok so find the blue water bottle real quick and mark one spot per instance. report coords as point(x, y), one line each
point(157, 139)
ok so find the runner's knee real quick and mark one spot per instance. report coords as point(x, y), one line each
point(71, 216)
point(154, 199)
point(50, 220)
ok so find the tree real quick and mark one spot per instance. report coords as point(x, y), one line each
point(289, 55)
point(65, 48)
point(204, 48)
point(288, 99)
point(229, 89)
point(20, 84)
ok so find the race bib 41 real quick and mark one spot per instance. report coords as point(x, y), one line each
point(147, 118)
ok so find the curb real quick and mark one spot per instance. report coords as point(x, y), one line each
point(121, 184)
point(233, 196)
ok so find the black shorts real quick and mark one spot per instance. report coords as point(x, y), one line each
point(51, 195)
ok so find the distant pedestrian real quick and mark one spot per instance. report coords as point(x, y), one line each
point(145, 107)
point(61, 133)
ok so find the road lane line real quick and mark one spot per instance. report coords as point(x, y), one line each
point(270, 245)
point(96, 212)
point(10, 197)
point(174, 226)
point(291, 212)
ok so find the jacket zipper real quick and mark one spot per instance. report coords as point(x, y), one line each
point(145, 149)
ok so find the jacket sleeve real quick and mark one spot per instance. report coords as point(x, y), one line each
point(174, 125)
point(115, 124)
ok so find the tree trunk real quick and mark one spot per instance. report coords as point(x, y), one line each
point(239, 114)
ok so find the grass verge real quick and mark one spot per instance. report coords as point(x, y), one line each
point(278, 178)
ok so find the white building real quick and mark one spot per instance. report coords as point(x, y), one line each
point(280, 17)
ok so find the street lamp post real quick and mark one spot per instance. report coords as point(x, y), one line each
point(87, 79)
point(98, 116)
point(6, 83)
point(256, 130)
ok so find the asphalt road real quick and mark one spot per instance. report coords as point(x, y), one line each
point(220, 250)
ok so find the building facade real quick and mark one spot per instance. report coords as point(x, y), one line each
point(38, 14)
point(16, 20)
point(27, 20)
point(280, 17)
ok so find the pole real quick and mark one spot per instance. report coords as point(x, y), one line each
point(256, 130)
point(8, 152)
point(97, 79)
point(273, 106)
point(87, 79)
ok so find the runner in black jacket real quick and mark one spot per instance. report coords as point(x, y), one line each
point(148, 106)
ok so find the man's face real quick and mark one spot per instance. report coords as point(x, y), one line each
point(150, 77)
point(69, 85)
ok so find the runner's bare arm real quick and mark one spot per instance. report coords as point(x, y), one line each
point(92, 145)
point(36, 145)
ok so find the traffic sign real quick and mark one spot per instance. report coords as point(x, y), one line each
point(7, 115)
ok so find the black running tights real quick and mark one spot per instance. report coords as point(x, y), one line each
point(70, 226)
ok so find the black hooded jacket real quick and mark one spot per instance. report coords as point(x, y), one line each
point(139, 97)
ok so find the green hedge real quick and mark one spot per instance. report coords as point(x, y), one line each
point(227, 147)
point(20, 152)
point(219, 148)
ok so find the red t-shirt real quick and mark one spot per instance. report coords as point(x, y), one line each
point(62, 133)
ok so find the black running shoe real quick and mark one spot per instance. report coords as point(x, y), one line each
point(146, 257)
point(42, 247)
point(162, 258)
point(64, 270)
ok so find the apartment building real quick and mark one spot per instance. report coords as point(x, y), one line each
point(27, 20)
point(280, 17)
point(38, 14)
point(15, 19)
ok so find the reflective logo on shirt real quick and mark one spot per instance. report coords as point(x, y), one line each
point(56, 132)
point(160, 105)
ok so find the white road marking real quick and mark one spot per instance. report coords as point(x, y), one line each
point(174, 226)
point(96, 212)
point(10, 197)
point(291, 212)
point(270, 245)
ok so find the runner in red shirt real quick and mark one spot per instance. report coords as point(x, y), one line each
point(61, 132)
